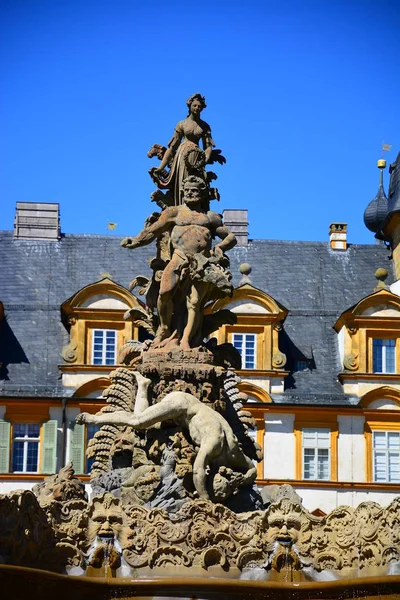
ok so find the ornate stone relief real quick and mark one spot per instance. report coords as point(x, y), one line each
point(60, 534)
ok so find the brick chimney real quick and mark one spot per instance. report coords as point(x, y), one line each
point(37, 221)
point(338, 236)
point(236, 221)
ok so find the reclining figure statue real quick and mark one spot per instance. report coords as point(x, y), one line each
point(210, 432)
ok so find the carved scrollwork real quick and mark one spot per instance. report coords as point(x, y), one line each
point(278, 360)
point(350, 362)
point(69, 352)
point(200, 534)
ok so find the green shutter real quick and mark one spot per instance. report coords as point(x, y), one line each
point(77, 447)
point(49, 450)
point(4, 446)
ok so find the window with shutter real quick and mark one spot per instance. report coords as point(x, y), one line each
point(77, 446)
point(49, 450)
point(5, 429)
point(25, 448)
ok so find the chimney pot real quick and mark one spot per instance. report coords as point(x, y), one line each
point(338, 236)
point(37, 221)
point(237, 223)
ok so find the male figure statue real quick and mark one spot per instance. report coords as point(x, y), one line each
point(210, 432)
point(195, 270)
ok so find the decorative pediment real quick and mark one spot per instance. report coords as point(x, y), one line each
point(92, 388)
point(373, 320)
point(249, 300)
point(96, 309)
point(383, 398)
point(382, 304)
point(101, 295)
point(255, 392)
point(257, 315)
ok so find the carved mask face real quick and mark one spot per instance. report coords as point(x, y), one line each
point(105, 522)
point(284, 528)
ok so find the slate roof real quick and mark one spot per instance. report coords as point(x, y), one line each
point(314, 282)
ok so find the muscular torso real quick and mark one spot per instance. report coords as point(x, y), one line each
point(193, 230)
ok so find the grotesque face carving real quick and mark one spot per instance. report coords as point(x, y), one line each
point(285, 529)
point(284, 524)
point(105, 518)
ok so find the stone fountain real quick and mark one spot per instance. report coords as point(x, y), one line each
point(174, 510)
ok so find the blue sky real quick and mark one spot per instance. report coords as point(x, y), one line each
point(300, 96)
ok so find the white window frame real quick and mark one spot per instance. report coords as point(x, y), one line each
point(384, 354)
point(319, 443)
point(242, 350)
point(104, 346)
point(25, 439)
point(388, 453)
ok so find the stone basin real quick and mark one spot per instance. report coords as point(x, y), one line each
point(35, 584)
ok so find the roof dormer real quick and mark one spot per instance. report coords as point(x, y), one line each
point(369, 343)
point(255, 334)
point(94, 317)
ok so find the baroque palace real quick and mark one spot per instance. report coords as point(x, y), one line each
point(318, 330)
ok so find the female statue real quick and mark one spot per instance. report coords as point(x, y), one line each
point(183, 155)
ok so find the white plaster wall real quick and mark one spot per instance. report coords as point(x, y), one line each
point(329, 499)
point(102, 301)
point(71, 414)
point(315, 498)
point(340, 341)
point(16, 484)
point(279, 446)
point(95, 394)
point(277, 385)
point(362, 386)
point(351, 448)
point(262, 382)
point(57, 414)
point(77, 379)
point(395, 287)
point(384, 404)
point(245, 307)
point(383, 310)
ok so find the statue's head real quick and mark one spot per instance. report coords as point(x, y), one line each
point(196, 103)
point(105, 517)
point(194, 190)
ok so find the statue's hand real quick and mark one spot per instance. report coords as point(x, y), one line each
point(155, 173)
point(83, 418)
point(129, 243)
point(219, 253)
